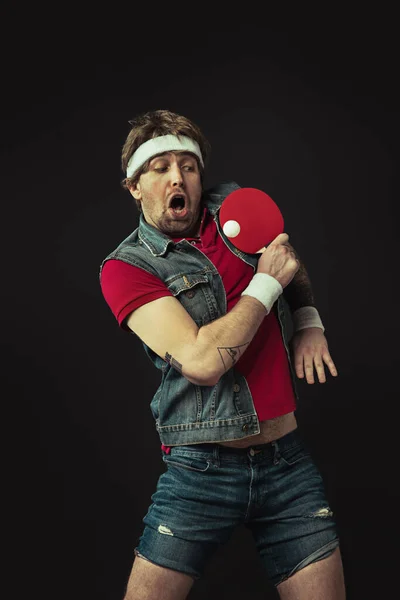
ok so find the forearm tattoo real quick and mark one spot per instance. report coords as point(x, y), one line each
point(174, 363)
point(298, 292)
point(231, 354)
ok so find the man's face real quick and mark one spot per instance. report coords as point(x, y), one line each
point(170, 193)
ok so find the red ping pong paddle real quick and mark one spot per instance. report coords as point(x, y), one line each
point(250, 219)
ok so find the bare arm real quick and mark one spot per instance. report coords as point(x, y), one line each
point(204, 355)
point(309, 346)
point(226, 339)
point(299, 292)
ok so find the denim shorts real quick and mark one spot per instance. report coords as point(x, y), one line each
point(207, 490)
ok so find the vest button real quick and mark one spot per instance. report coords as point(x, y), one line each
point(236, 387)
point(190, 294)
point(245, 427)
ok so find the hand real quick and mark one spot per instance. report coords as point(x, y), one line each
point(310, 350)
point(278, 260)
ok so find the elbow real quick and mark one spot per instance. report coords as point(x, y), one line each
point(205, 366)
point(202, 379)
point(213, 378)
point(204, 375)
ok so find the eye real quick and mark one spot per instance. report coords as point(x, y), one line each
point(161, 169)
point(188, 167)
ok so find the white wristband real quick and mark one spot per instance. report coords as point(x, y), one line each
point(264, 288)
point(305, 317)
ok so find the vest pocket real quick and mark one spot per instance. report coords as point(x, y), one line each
point(194, 292)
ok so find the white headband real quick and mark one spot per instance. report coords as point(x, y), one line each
point(163, 143)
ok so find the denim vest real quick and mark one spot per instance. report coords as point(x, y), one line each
point(186, 413)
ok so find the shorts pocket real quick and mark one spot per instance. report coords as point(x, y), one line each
point(295, 454)
point(190, 462)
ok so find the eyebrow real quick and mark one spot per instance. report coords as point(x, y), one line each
point(178, 152)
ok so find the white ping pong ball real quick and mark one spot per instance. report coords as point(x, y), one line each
point(231, 229)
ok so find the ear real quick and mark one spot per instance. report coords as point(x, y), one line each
point(135, 191)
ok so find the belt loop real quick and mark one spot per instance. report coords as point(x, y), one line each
point(215, 458)
point(277, 454)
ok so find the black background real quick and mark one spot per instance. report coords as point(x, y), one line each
point(306, 110)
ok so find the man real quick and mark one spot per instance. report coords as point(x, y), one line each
point(215, 322)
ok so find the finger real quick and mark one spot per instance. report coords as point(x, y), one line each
point(290, 247)
point(298, 366)
point(319, 367)
point(329, 363)
point(309, 369)
point(282, 238)
point(289, 250)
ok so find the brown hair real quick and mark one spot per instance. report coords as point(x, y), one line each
point(153, 124)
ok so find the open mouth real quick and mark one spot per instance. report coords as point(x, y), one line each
point(177, 205)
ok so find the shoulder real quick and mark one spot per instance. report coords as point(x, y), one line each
point(131, 253)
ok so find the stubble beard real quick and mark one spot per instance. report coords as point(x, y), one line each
point(189, 227)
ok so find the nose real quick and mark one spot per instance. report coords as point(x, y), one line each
point(176, 176)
